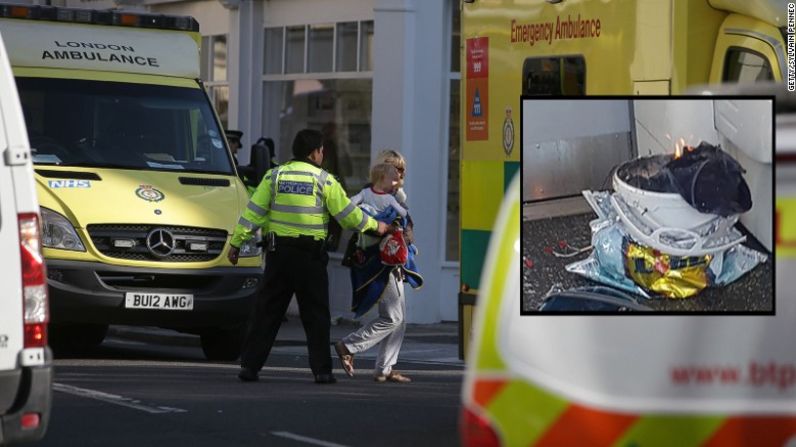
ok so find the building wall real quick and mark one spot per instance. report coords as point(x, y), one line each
point(691, 120)
point(409, 106)
point(744, 128)
point(571, 146)
point(302, 12)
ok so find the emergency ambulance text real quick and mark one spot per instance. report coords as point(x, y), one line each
point(547, 31)
point(532, 32)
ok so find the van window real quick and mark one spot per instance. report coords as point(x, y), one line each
point(554, 76)
point(119, 125)
point(744, 65)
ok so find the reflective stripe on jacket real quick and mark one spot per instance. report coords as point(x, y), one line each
point(296, 199)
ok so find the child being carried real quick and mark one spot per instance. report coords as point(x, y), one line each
point(378, 199)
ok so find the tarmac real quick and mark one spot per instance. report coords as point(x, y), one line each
point(423, 343)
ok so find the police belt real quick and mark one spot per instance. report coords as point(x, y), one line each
point(307, 243)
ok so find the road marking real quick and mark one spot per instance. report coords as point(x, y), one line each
point(287, 434)
point(114, 399)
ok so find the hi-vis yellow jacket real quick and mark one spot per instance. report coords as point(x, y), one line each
point(296, 199)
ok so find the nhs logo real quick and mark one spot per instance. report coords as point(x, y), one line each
point(69, 183)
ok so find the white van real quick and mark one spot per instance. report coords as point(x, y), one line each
point(25, 360)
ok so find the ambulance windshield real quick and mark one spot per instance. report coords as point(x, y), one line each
point(121, 125)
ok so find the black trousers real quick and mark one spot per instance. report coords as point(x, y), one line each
point(290, 270)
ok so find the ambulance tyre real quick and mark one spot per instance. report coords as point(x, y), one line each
point(222, 344)
point(76, 338)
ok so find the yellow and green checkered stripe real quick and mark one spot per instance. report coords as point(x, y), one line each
point(483, 186)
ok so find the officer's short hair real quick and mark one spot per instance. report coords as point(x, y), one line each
point(382, 170)
point(306, 141)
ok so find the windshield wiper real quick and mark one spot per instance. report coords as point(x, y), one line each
point(99, 166)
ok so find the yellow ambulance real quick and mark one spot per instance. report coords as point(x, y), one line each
point(137, 186)
point(587, 47)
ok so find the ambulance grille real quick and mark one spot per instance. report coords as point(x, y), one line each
point(167, 243)
point(157, 282)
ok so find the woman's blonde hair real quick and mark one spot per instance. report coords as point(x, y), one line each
point(394, 158)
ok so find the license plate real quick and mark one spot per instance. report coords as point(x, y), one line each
point(160, 301)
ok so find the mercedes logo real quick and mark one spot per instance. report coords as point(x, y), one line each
point(160, 242)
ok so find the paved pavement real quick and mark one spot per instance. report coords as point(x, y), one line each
point(432, 343)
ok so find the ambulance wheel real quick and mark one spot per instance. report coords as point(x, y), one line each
point(222, 344)
point(76, 338)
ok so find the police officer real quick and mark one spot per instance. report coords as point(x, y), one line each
point(294, 202)
point(234, 137)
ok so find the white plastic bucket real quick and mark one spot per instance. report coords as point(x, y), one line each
point(663, 209)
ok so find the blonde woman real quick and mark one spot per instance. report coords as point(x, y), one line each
point(395, 158)
point(373, 282)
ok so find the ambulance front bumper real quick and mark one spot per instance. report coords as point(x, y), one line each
point(96, 293)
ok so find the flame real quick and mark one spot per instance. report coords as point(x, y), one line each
point(680, 146)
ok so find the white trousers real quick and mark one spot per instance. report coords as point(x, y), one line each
point(388, 328)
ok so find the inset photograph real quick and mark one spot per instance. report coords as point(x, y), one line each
point(647, 205)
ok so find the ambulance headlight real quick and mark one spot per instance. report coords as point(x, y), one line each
point(251, 247)
point(58, 232)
